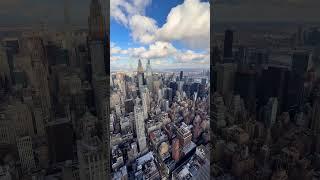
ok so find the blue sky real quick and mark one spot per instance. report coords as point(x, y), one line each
point(171, 33)
point(156, 10)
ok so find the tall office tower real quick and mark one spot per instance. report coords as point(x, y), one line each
point(148, 68)
point(166, 106)
point(145, 97)
point(225, 79)
point(11, 46)
point(180, 86)
point(100, 88)
point(60, 140)
point(97, 35)
point(299, 38)
point(93, 161)
point(149, 76)
point(295, 92)
point(181, 75)
point(315, 118)
point(16, 121)
point(240, 57)
point(273, 83)
point(88, 122)
point(39, 122)
point(140, 68)
point(24, 145)
point(175, 149)
point(129, 106)
point(218, 112)
point(4, 67)
point(167, 94)
point(122, 87)
point(236, 105)
point(270, 112)
point(140, 129)
point(174, 86)
point(160, 95)
point(300, 62)
point(40, 70)
point(98, 45)
point(228, 41)
point(140, 75)
point(245, 86)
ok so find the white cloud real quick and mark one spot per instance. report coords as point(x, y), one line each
point(122, 10)
point(189, 23)
point(116, 49)
point(114, 58)
point(189, 56)
point(136, 52)
point(159, 50)
point(154, 51)
point(143, 29)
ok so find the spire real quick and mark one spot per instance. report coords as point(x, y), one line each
point(140, 68)
point(148, 68)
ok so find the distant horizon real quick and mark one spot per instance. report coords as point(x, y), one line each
point(164, 69)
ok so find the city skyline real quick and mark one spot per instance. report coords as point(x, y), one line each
point(171, 35)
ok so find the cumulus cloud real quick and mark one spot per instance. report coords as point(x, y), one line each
point(189, 23)
point(189, 56)
point(116, 49)
point(122, 10)
point(143, 29)
point(114, 58)
point(159, 52)
point(136, 52)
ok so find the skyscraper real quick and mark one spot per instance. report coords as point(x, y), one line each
point(228, 42)
point(270, 112)
point(97, 28)
point(140, 68)
point(93, 162)
point(225, 79)
point(25, 150)
point(140, 129)
point(145, 97)
point(149, 76)
point(315, 118)
point(97, 36)
point(140, 75)
point(300, 62)
point(40, 73)
point(148, 68)
point(60, 137)
point(218, 113)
